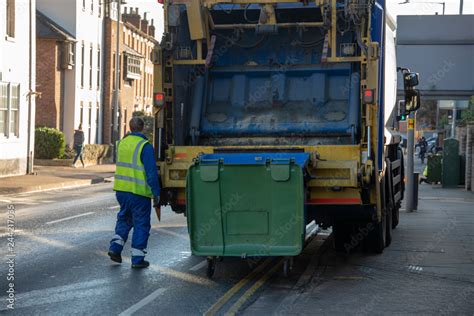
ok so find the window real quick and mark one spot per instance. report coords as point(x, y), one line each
point(68, 55)
point(92, 6)
point(98, 68)
point(82, 65)
point(11, 18)
point(119, 71)
point(133, 67)
point(90, 68)
point(14, 109)
point(81, 117)
point(9, 109)
point(125, 122)
point(113, 71)
point(97, 114)
point(90, 122)
point(100, 8)
point(83, 5)
point(3, 108)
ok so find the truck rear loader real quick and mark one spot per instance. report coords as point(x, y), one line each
point(271, 114)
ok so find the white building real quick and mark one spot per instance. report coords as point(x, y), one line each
point(17, 84)
point(83, 93)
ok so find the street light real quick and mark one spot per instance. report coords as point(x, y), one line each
point(441, 3)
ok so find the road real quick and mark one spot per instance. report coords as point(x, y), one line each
point(61, 266)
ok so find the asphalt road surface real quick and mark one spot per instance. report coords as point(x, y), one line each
point(61, 267)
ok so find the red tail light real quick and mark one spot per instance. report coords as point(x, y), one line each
point(158, 99)
point(161, 1)
point(369, 96)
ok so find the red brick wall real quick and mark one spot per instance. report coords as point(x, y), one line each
point(127, 93)
point(48, 82)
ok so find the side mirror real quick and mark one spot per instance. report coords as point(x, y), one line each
point(412, 100)
point(411, 79)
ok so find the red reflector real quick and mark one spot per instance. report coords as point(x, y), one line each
point(368, 93)
point(160, 1)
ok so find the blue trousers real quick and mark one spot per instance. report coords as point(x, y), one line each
point(135, 211)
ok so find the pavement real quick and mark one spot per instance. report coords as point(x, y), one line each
point(428, 269)
point(59, 263)
point(52, 177)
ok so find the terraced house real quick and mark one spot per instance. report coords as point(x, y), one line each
point(17, 86)
point(70, 66)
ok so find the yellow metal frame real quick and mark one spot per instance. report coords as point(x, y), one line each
point(332, 166)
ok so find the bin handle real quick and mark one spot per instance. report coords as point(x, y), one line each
point(210, 160)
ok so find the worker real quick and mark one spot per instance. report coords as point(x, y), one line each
point(136, 184)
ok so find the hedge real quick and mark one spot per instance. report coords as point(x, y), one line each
point(49, 143)
point(91, 152)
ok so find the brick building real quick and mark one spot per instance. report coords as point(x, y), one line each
point(55, 58)
point(135, 86)
point(82, 67)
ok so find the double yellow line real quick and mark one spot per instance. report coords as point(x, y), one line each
point(230, 293)
point(257, 284)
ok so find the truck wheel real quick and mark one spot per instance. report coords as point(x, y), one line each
point(395, 216)
point(388, 229)
point(377, 235)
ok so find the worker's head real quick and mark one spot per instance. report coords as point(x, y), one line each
point(136, 124)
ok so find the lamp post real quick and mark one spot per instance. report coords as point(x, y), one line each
point(116, 95)
point(430, 2)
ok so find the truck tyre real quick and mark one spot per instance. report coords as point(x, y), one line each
point(342, 234)
point(395, 216)
point(389, 224)
point(378, 234)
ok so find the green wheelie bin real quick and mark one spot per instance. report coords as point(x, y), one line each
point(246, 205)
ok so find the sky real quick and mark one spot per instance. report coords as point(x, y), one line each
point(416, 7)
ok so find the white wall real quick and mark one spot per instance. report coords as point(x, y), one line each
point(15, 68)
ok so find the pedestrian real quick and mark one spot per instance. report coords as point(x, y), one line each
point(78, 145)
point(423, 144)
point(136, 184)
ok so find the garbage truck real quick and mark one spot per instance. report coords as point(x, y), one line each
point(272, 114)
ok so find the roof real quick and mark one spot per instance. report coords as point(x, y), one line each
point(137, 30)
point(47, 28)
point(129, 51)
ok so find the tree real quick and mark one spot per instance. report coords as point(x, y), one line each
point(467, 116)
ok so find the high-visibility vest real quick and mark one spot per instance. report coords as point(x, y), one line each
point(130, 173)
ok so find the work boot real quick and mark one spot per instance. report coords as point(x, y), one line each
point(115, 257)
point(141, 265)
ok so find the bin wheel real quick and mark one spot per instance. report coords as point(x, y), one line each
point(287, 267)
point(211, 266)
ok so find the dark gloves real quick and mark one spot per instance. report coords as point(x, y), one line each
point(156, 201)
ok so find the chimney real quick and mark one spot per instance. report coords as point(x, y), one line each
point(125, 10)
point(144, 26)
point(132, 17)
point(136, 10)
point(144, 16)
point(151, 29)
